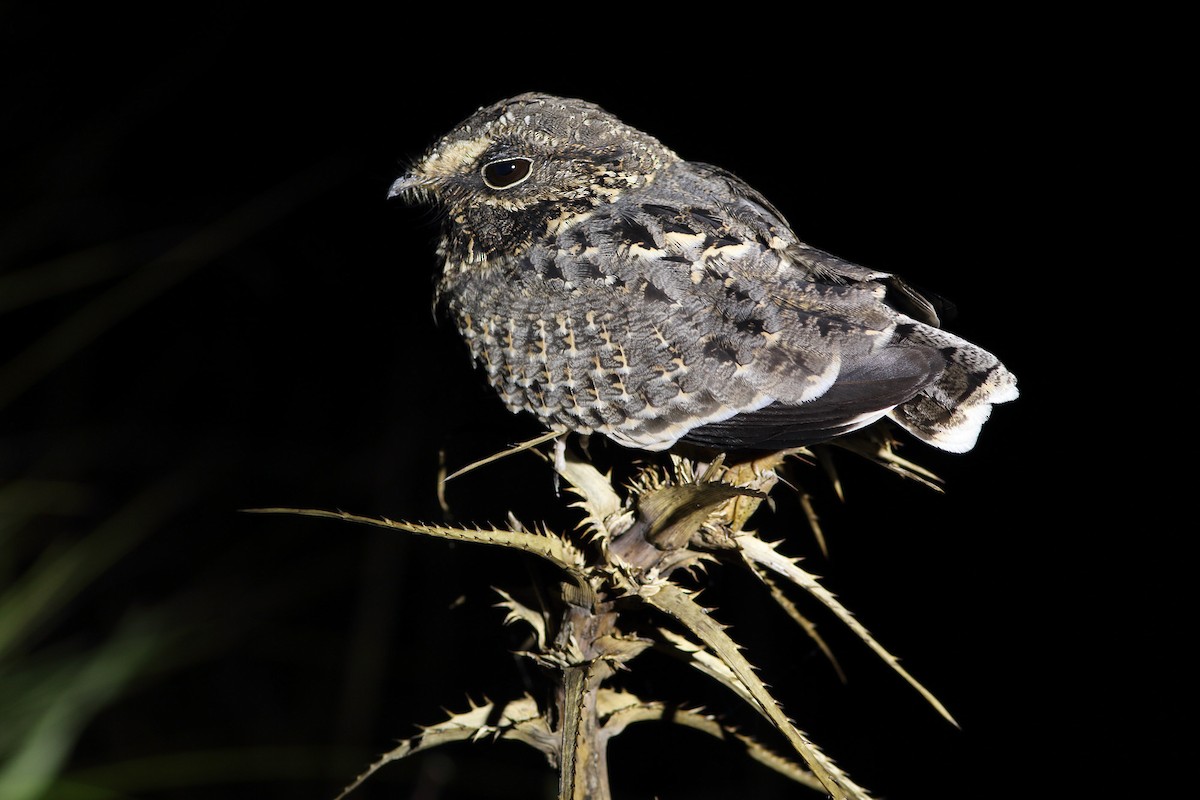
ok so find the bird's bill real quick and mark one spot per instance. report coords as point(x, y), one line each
point(406, 184)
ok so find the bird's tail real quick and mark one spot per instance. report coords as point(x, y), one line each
point(950, 412)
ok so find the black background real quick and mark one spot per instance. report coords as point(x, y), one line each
point(227, 313)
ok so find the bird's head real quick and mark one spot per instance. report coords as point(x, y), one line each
point(521, 169)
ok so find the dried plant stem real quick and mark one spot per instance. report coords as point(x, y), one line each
point(583, 774)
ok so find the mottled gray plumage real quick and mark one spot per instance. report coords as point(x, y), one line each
point(606, 285)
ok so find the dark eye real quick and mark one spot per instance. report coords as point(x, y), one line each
point(506, 172)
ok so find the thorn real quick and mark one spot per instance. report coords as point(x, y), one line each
point(504, 453)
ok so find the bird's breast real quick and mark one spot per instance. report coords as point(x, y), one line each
point(583, 355)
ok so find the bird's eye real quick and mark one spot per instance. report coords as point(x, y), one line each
point(506, 173)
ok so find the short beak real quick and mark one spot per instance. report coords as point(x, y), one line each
point(402, 185)
point(407, 183)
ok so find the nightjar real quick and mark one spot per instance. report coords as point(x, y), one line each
point(608, 286)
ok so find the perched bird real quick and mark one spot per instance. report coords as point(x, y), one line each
point(608, 286)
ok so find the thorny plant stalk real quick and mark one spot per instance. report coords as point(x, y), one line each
point(631, 547)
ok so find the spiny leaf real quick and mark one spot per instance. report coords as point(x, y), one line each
point(878, 447)
point(624, 709)
point(804, 622)
point(814, 521)
point(504, 453)
point(518, 612)
point(606, 514)
point(706, 662)
point(549, 546)
point(520, 720)
point(758, 552)
point(677, 603)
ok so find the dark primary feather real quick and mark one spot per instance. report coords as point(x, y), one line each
point(897, 376)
